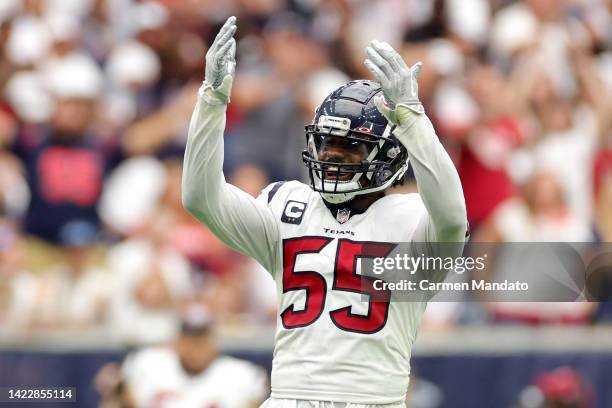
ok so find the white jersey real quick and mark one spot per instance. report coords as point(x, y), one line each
point(156, 379)
point(330, 344)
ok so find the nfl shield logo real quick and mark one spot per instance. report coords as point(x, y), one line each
point(343, 215)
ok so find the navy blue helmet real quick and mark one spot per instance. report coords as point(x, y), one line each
point(349, 115)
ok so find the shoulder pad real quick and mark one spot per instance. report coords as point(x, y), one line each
point(274, 190)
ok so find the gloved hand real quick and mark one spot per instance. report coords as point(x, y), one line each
point(221, 63)
point(400, 105)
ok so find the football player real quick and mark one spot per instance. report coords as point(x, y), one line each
point(332, 345)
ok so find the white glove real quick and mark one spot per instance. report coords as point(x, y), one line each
point(221, 63)
point(400, 104)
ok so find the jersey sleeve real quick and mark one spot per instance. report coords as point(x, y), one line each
point(438, 184)
point(242, 222)
point(441, 229)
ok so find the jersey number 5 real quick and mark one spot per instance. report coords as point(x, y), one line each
point(345, 279)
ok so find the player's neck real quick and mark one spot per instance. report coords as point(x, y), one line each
point(357, 205)
point(362, 202)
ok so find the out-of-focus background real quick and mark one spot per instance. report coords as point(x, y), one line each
point(98, 258)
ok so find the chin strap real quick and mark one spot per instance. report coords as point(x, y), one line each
point(337, 198)
point(340, 198)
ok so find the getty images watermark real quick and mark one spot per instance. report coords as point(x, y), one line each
point(430, 265)
point(509, 272)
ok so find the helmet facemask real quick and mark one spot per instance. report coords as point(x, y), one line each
point(385, 160)
point(348, 116)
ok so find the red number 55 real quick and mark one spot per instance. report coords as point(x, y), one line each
point(345, 279)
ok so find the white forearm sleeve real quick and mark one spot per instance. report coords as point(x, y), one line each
point(437, 181)
point(236, 218)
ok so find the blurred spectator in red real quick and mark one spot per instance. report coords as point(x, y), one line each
point(489, 145)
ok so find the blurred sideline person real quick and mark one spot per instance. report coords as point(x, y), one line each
point(190, 372)
point(562, 387)
point(331, 348)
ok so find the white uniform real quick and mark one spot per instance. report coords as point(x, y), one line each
point(330, 345)
point(157, 379)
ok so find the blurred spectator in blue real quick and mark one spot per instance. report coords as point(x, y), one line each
point(65, 162)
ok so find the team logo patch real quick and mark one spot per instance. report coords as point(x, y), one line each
point(294, 212)
point(343, 215)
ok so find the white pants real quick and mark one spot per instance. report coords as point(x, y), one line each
point(291, 403)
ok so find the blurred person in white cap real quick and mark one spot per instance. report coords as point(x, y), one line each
point(29, 40)
point(133, 69)
point(28, 43)
point(8, 9)
point(26, 94)
point(191, 372)
point(41, 32)
point(65, 32)
point(65, 161)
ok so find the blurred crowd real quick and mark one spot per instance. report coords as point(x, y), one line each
point(96, 97)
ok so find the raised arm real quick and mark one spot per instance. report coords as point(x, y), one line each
point(436, 176)
point(241, 221)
